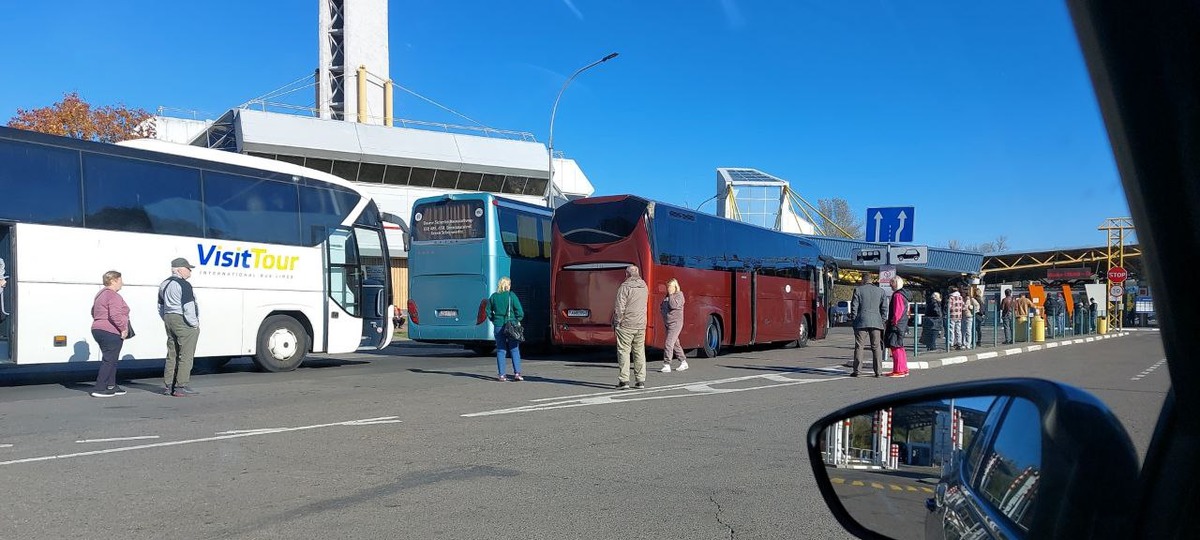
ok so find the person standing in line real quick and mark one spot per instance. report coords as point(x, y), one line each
point(629, 323)
point(1093, 312)
point(177, 307)
point(110, 327)
point(1007, 309)
point(933, 320)
point(897, 328)
point(970, 308)
point(955, 306)
point(868, 309)
point(979, 314)
point(504, 306)
point(672, 312)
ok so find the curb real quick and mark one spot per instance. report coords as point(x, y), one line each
point(962, 359)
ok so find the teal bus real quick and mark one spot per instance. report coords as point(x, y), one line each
point(461, 245)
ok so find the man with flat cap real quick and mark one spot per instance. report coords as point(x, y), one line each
point(177, 307)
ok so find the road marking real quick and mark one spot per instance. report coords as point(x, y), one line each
point(692, 389)
point(986, 355)
point(876, 485)
point(926, 490)
point(238, 435)
point(1149, 370)
point(1077, 341)
point(6, 446)
point(857, 483)
point(1009, 352)
point(896, 488)
point(910, 488)
point(839, 480)
point(115, 439)
point(1032, 348)
point(1051, 345)
point(954, 360)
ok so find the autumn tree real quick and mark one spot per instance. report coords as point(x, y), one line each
point(74, 117)
point(836, 213)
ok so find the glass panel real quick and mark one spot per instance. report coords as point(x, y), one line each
point(141, 196)
point(343, 271)
point(370, 172)
point(322, 209)
point(323, 165)
point(41, 184)
point(536, 186)
point(397, 175)
point(421, 177)
point(346, 169)
point(294, 160)
point(514, 184)
point(445, 179)
point(251, 209)
point(492, 183)
point(469, 181)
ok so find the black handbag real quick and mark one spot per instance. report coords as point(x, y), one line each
point(894, 337)
point(129, 333)
point(512, 328)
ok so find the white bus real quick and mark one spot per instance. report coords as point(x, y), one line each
point(288, 260)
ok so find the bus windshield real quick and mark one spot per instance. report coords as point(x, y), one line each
point(599, 223)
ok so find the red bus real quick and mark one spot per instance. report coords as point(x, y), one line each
point(744, 284)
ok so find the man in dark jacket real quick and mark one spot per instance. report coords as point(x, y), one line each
point(868, 309)
point(629, 322)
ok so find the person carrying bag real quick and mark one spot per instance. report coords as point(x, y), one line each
point(508, 330)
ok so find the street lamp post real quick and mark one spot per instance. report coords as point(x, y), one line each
point(553, 112)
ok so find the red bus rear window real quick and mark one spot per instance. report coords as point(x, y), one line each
point(602, 223)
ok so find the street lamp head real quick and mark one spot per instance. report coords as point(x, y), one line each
point(609, 57)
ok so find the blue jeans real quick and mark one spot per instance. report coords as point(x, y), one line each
point(509, 346)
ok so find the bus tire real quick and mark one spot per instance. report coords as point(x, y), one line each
point(712, 338)
point(802, 333)
point(282, 344)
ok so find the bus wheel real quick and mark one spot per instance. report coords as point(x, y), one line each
point(712, 339)
point(802, 333)
point(282, 344)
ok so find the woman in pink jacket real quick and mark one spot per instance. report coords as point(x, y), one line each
point(897, 327)
point(110, 327)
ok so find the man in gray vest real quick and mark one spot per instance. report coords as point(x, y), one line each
point(177, 307)
point(868, 309)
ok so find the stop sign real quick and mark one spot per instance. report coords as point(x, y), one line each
point(1117, 274)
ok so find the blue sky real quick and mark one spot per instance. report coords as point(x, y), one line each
point(979, 114)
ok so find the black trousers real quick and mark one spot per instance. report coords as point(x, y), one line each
point(110, 351)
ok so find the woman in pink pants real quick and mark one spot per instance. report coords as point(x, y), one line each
point(897, 327)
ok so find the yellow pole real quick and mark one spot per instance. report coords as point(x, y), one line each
point(387, 103)
point(362, 94)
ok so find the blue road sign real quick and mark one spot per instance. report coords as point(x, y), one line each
point(890, 224)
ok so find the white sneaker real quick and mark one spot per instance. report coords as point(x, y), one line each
point(682, 366)
point(666, 368)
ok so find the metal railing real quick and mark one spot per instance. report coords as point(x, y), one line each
point(271, 106)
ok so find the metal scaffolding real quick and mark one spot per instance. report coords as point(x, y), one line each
point(1114, 229)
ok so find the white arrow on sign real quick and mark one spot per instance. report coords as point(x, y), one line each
point(896, 237)
point(878, 225)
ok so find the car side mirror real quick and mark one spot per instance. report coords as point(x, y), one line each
point(1008, 458)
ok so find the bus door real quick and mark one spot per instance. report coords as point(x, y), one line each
point(7, 317)
point(377, 326)
point(741, 307)
point(357, 282)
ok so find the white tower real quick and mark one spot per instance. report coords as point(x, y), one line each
point(352, 34)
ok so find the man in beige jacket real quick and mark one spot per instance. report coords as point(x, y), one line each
point(629, 322)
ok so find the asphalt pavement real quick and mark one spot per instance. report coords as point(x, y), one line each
point(420, 442)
